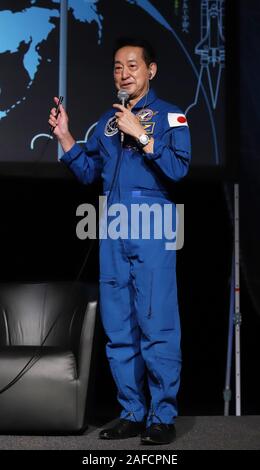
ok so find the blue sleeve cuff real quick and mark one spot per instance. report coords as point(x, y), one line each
point(157, 150)
point(73, 153)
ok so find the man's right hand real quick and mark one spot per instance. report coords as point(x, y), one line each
point(60, 125)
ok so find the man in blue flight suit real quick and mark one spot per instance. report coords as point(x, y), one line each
point(138, 150)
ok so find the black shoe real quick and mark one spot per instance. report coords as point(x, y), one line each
point(123, 429)
point(159, 434)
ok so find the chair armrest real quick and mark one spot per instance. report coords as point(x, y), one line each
point(86, 341)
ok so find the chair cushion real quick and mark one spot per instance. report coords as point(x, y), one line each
point(49, 362)
point(45, 396)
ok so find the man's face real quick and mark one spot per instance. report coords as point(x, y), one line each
point(130, 71)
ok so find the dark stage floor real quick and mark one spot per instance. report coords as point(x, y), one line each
point(193, 433)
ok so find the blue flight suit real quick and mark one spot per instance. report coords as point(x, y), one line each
point(138, 292)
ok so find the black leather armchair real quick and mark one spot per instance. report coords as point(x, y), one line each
point(51, 396)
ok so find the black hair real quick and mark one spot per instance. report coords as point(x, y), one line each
point(148, 50)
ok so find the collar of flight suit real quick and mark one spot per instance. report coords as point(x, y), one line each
point(146, 100)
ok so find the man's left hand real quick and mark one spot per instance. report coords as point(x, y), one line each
point(127, 122)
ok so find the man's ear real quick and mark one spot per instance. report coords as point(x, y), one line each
point(152, 70)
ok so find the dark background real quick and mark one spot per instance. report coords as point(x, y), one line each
point(38, 239)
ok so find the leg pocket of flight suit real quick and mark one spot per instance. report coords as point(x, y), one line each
point(163, 312)
point(110, 305)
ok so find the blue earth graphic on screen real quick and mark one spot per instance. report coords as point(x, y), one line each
point(34, 24)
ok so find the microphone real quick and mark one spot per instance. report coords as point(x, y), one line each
point(123, 96)
point(57, 107)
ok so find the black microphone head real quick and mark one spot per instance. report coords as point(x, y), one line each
point(123, 96)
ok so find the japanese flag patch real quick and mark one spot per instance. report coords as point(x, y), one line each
point(177, 119)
